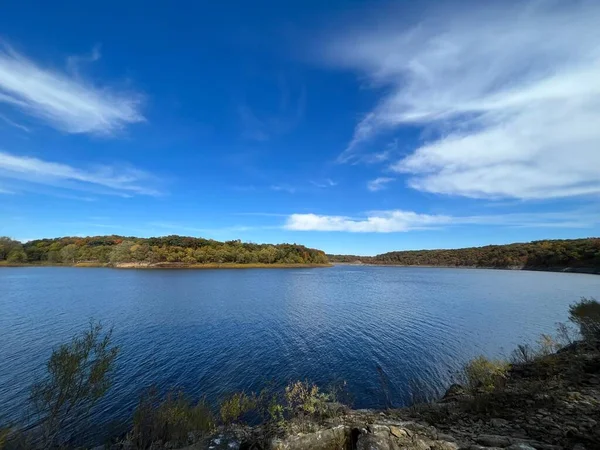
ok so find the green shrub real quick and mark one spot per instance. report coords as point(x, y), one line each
point(586, 315)
point(485, 375)
point(78, 375)
point(236, 406)
point(306, 399)
point(169, 420)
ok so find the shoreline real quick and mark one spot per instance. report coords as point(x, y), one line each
point(171, 266)
point(184, 266)
point(580, 270)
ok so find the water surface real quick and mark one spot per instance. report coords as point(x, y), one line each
point(210, 332)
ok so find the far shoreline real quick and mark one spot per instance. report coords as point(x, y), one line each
point(171, 266)
point(184, 266)
point(578, 270)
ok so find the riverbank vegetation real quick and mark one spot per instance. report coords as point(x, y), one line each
point(151, 252)
point(539, 255)
point(556, 381)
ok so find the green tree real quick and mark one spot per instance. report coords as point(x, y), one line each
point(121, 252)
point(8, 245)
point(17, 255)
point(69, 253)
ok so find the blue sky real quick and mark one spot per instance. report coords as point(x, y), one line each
point(355, 127)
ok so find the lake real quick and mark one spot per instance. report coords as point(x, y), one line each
point(211, 332)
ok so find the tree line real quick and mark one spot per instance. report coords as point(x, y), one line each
point(546, 254)
point(168, 249)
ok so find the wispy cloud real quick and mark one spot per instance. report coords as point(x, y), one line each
point(64, 101)
point(402, 221)
point(379, 184)
point(123, 181)
point(284, 188)
point(510, 88)
point(327, 183)
point(12, 123)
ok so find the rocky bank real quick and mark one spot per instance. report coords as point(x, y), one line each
point(552, 403)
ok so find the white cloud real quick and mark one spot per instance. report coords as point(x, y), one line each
point(379, 184)
point(65, 102)
point(384, 222)
point(124, 181)
point(328, 182)
point(284, 188)
point(511, 89)
point(402, 221)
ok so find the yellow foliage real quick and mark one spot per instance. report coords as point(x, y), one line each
point(483, 374)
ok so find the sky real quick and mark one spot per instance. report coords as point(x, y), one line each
point(357, 127)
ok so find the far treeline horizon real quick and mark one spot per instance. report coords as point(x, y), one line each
point(545, 254)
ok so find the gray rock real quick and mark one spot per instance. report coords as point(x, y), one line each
point(379, 441)
point(490, 440)
point(444, 445)
point(499, 422)
point(520, 446)
point(331, 438)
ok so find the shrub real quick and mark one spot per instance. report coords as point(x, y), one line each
point(237, 405)
point(483, 374)
point(586, 315)
point(78, 375)
point(306, 399)
point(169, 420)
point(523, 354)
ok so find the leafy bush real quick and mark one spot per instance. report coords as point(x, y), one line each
point(78, 375)
point(306, 399)
point(485, 375)
point(586, 315)
point(169, 420)
point(237, 405)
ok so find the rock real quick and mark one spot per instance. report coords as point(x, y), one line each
point(376, 428)
point(490, 440)
point(520, 446)
point(444, 445)
point(330, 438)
point(398, 432)
point(446, 437)
point(379, 441)
point(481, 447)
point(496, 423)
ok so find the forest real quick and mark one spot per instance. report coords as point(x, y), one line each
point(155, 250)
point(547, 254)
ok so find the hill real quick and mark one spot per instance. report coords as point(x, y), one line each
point(575, 254)
point(165, 251)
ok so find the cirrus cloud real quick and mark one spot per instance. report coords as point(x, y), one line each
point(509, 90)
point(112, 180)
point(64, 101)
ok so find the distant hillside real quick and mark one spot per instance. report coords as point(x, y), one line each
point(156, 250)
point(540, 255)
